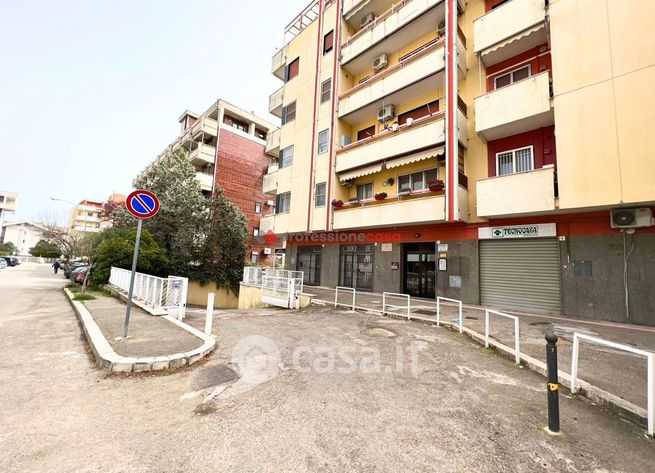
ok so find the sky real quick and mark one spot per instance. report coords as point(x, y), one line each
point(90, 91)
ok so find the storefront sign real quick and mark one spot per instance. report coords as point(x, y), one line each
point(518, 231)
point(442, 247)
point(386, 247)
point(443, 264)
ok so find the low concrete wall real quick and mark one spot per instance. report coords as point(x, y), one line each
point(224, 299)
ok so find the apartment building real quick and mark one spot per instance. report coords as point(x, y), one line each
point(87, 217)
point(23, 235)
point(228, 148)
point(493, 151)
point(7, 204)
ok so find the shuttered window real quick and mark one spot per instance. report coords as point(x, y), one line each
point(328, 42)
point(366, 133)
point(326, 90)
point(420, 112)
point(323, 141)
point(293, 68)
point(521, 274)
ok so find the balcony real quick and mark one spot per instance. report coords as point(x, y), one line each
point(86, 218)
point(387, 33)
point(413, 77)
point(203, 154)
point(522, 106)
point(206, 181)
point(517, 194)
point(421, 134)
point(275, 102)
point(510, 29)
point(267, 223)
point(395, 212)
point(205, 125)
point(273, 142)
point(269, 185)
point(279, 62)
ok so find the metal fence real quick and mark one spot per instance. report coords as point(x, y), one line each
point(280, 287)
point(157, 295)
point(487, 312)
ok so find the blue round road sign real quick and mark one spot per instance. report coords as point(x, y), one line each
point(142, 203)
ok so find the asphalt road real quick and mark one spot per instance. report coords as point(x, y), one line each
point(317, 390)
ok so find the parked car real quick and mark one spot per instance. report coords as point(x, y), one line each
point(3, 263)
point(80, 273)
point(74, 272)
point(70, 266)
point(11, 260)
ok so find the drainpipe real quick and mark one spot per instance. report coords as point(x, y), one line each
point(335, 84)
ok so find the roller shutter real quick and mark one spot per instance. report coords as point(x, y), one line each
point(521, 275)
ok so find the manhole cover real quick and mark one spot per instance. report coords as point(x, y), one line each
point(211, 376)
point(379, 332)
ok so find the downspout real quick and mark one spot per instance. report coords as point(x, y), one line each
point(452, 159)
point(316, 76)
point(335, 83)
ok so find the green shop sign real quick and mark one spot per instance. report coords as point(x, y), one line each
point(515, 232)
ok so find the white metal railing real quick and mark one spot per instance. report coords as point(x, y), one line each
point(517, 354)
point(336, 295)
point(650, 375)
point(393, 306)
point(271, 282)
point(459, 304)
point(155, 294)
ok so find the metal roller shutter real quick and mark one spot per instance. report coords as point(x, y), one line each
point(521, 275)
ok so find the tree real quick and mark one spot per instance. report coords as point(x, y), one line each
point(67, 243)
point(45, 249)
point(7, 249)
point(221, 248)
point(118, 215)
point(115, 247)
point(182, 213)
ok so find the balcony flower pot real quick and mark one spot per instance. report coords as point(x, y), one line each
point(337, 203)
point(380, 196)
point(436, 185)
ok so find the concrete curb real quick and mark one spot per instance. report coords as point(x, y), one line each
point(107, 359)
point(599, 396)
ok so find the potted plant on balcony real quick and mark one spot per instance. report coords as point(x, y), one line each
point(380, 196)
point(337, 203)
point(436, 185)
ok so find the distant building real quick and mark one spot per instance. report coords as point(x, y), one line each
point(24, 235)
point(228, 147)
point(7, 204)
point(87, 217)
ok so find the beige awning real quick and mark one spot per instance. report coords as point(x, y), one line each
point(413, 158)
point(346, 176)
point(516, 37)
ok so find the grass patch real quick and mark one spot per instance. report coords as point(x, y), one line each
point(83, 297)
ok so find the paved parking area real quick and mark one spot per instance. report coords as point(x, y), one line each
point(313, 390)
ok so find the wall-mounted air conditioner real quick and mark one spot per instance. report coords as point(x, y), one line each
point(368, 18)
point(344, 140)
point(631, 218)
point(270, 203)
point(380, 62)
point(386, 113)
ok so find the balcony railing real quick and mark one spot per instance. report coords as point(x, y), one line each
point(421, 134)
point(269, 185)
point(279, 63)
point(206, 180)
point(516, 194)
point(522, 106)
point(275, 102)
point(206, 125)
point(267, 223)
point(273, 142)
point(203, 154)
point(369, 41)
point(509, 29)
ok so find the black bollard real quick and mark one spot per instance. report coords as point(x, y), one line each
point(553, 382)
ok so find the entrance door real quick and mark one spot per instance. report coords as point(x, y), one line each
point(356, 267)
point(420, 268)
point(309, 262)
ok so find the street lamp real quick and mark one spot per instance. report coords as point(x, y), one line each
point(71, 203)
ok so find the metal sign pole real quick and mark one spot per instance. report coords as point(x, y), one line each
point(134, 260)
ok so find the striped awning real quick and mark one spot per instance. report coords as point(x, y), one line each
point(516, 37)
point(346, 176)
point(413, 158)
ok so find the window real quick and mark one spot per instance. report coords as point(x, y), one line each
point(259, 133)
point(512, 76)
point(292, 69)
point(289, 113)
point(416, 181)
point(366, 133)
point(365, 191)
point(328, 42)
point(258, 207)
point(286, 157)
point(283, 203)
point(420, 112)
point(326, 90)
point(236, 123)
point(513, 161)
point(255, 231)
point(319, 195)
point(254, 257)
point(323, 141)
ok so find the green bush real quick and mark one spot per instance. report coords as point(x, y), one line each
point(83, 297)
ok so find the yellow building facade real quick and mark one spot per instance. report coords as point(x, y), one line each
point(493, 151)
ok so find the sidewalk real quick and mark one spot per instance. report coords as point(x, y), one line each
point(153, 342)
point(620, 373)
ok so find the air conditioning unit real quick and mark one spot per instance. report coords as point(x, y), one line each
point(368, 18)
point(267, 251)
point(344, 140)
point(270, 203)
point(631, 218)
point(380, 62)
point(441, 29)
point(386, 113)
